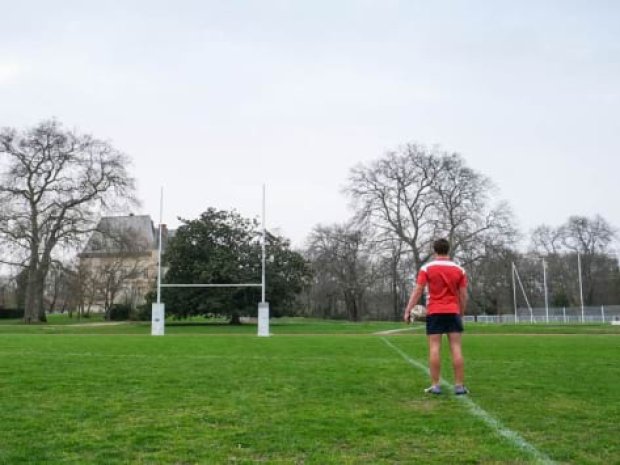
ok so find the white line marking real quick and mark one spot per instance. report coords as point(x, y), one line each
point(394, 331)
point(512, 436)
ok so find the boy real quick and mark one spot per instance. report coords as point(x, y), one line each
point(446, 303)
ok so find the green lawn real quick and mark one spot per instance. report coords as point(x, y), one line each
point(314, 393)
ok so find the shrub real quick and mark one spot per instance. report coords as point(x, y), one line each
point(120, 312)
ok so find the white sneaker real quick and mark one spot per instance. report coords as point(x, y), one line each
point(434, 389)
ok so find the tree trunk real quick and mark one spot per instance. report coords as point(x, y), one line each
point(40, 299)
point(106, 311)
point(41, 277)
point(52, 306)
point(394, 289)
point(33, 308)
point(235, 319)
point(351, 305)
point(356, 313)
point(30, 314)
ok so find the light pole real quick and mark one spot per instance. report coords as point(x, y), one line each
point(580, 286)
point(544, 267)
point(514, 291)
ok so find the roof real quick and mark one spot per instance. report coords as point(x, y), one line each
point(124, 234)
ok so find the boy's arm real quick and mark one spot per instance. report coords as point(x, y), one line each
point(463, 299)
point(413, 300)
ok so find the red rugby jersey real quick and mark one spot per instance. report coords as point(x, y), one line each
point(444, 279)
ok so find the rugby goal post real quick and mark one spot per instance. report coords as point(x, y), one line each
point(158, 313)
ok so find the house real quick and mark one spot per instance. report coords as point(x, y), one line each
point(119, 262)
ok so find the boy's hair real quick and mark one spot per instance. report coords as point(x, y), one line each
point(441, 246)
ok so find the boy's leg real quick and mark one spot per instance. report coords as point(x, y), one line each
point(457, 358)
point(434, 357)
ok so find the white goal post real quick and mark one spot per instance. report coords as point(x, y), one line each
point(158, 315)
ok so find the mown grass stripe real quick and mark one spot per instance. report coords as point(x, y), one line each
point(512, 436)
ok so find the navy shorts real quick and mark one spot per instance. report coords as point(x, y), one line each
point(444, 323)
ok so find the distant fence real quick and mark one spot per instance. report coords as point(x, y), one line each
point(598, 314)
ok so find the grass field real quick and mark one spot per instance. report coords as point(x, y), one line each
point(314, 393)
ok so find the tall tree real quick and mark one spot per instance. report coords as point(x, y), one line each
point(53, 184)
point(588, 237)
point(125, 257)
point(417, 195)
point(340, 256)
point(490, 287)
point(397, 271)
point(222, 247)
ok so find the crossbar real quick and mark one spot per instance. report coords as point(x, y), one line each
point(213, 285)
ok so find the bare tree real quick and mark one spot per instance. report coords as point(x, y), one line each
point(113, 277)
point(395, 197)
point(490, 288)
point(476, 230)
point(340, 259)
point(85, 289)
point(587, 235)
point(8, 292)
point(393, 260)
point(547, 239)
point(53, 184)
point(417, 195)
point(590, 238)
point(55, 286)
point(118, 254)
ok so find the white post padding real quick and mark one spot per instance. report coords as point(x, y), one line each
point(157, 319)
point(263, 319)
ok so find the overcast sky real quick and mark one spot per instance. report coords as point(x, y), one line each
point(211, 99)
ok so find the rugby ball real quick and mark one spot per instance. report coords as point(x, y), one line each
point(418, 312)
